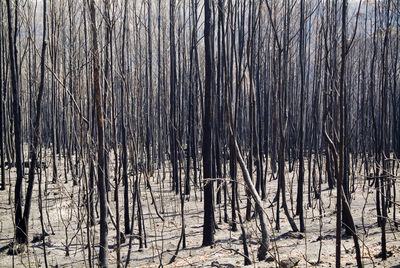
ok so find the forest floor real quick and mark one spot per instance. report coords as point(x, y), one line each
point(64, 210)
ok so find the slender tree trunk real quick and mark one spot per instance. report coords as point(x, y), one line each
point(2, 123)
point(209, 223)
point(20, 235)
point(24, 224)
point(100, 140)
point(299, 210)
point(173, 125)
point(123, 127)
point(149, 92)
point(53, 93)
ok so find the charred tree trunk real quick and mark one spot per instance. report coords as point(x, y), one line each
point(100, 141)
point(2, 123)
point(24, 224)
point(172, 123)
point(299, 208)
point(20, 235)
point(209, 221)
point(123, 128)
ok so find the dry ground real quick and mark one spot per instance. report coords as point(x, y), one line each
point(63, 211)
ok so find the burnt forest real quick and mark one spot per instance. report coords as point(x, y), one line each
point(200, 133)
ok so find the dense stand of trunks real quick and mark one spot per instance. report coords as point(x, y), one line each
point(193, 88)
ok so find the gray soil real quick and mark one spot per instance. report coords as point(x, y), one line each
point(65, 221)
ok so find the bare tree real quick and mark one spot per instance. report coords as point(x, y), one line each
point(2, 162)
point(209, 220)
point(24, 224)
point(103, 261)
point(19, 234)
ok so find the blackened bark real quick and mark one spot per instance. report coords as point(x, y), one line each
point(209, 223)
point(299, 208)
point(233, 173)
point(24, 224)
point(2, 126)
point(173, 131)
point(20, 236)
point(149, 93)
point(123, 129)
